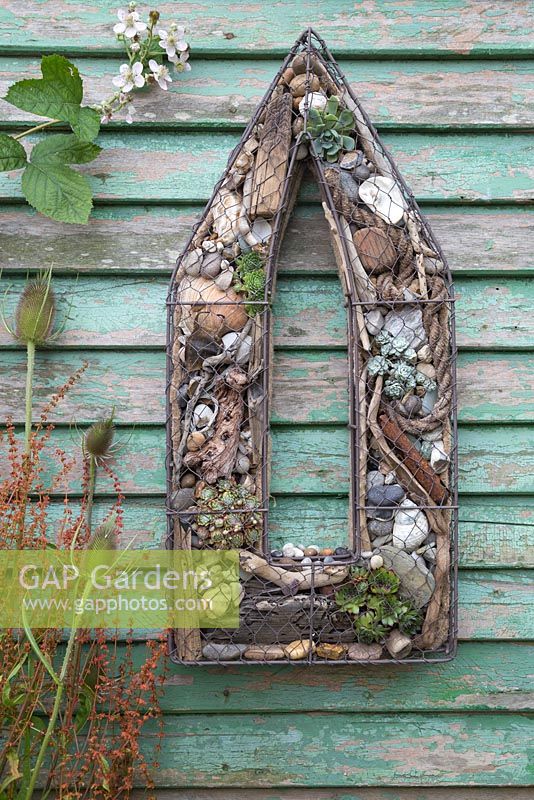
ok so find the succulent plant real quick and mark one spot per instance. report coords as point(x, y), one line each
point(250, 279)
point(424, 381)
point(378, 365)
point(329, 130)
point(228, 515)
point(371, 597)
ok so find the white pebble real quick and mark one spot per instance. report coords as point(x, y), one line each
point(376, 562)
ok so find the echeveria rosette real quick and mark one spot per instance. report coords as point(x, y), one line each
point(330, 130)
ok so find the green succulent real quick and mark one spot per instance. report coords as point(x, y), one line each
point(329, 130)
point(371, 597)
point(378, 365)
point(250, 279)
point(228, 516)
point(424, 381)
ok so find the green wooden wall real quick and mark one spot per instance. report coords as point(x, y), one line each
point(450, 85)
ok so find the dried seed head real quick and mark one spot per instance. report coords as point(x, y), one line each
point(36, 310)
point(99, 438)
point(104, 538)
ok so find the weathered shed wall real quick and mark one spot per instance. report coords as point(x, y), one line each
point(450, 86)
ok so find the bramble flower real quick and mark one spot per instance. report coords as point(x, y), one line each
point(160, 74)
point(129, 77)
point(129, 24)
point(173, 41)
point(181, 62)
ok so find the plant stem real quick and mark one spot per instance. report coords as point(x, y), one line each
point(36, 128)
point(53, 717)
point(30, 364)
point(90, 492)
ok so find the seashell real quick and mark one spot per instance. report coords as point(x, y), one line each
point(313, 100)
point(226, 212)
point(301, 84)
point(298, 649)
point(411, 526)
point(224, 279)
point(243, 161)
point(209, 246)
point(215, 311)
point(242, 465)
point(195, 441)
point(398, 645)
point(192, 261)
point(203, 417)
point(211, 265)
point(240, 353)
point(425, 354)
point(384, 197)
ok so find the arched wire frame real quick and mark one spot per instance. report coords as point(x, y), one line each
point(390, 593)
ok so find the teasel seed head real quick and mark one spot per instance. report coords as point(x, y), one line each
point(36, 311)
point(105, 538)
point(99, 438)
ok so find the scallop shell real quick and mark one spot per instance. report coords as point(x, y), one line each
point(384, 197)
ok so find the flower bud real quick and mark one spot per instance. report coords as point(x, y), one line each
point(99, 438)
point(36, 309)
point(153, 17)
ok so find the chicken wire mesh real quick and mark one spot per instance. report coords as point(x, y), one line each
point(389, 592)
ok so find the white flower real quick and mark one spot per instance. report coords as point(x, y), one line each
point(129, 77)
point(160, 73)
point(173, 41)
point(180, 62)
point(130, 111)
point(129, 24)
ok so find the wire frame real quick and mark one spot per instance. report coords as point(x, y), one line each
point(390, 593)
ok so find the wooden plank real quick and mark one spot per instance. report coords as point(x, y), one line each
point(483, 677)
point(130, 312)
point(314, 461)
point(128, 239)
point(167, 167)
point(308, 386)
point(343, 750)
point(496, 531)
point(416, 27)
point(219, 94)
point(148, 240)
point(398, 793)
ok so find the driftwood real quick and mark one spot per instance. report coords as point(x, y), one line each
point(291, 581)
point(418, 466)
point(216, 458)
point(272, 158)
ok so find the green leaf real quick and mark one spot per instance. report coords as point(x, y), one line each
point(346, 120)
point(57, 95)
point(58, 192)
point(348, 143)
point(64, 148)
point(12, 153)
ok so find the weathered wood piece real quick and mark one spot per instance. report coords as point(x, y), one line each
point(271, 159)
point(216, 457)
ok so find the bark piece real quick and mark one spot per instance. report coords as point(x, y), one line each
point(272, 158)
point(414, 461)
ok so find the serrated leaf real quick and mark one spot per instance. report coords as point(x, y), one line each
point(64, 148)
point(12, 153)
point(58, 192)
point(57, 95)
